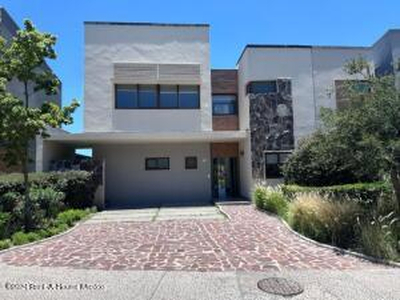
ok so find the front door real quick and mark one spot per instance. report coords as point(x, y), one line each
point(225, 177)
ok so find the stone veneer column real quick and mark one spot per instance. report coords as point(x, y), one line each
point(271, 124)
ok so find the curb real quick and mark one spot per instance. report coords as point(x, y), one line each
point(228, 203)
point(227, 216)
point(334, 248)
point(53, 237)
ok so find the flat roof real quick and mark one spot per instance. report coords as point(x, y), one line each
point(294, 46)
point(146, 24)
point(122, 137)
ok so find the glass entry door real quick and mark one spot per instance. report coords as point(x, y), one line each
point(225, 177)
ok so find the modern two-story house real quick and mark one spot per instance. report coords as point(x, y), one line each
point(170, 130)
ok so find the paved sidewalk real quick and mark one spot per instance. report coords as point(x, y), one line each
point(161, 285)
point(249, 241)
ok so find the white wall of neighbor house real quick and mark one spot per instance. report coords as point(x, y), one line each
point(273, 63)
point(382, 54)
point(328, 66)
point(129, 183)
point(394, 36)
point(107, 44)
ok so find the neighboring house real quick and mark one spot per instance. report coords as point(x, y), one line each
point(169, 130)
point(8, 29)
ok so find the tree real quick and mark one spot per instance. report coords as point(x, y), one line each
point(368, 127)
point(23, 59)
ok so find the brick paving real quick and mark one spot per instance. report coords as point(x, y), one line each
point(249, 241)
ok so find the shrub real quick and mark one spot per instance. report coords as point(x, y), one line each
point(9, 201)
point(270, 199)
point(323, 220)
point(4, 224)
point(78, 186)
point(259, 196)
point(57, 229)
point(379, 237)
point(5, 244)
point(48, 200)
point(367, 193)
point(20, 238)
point(329, 158)
point(71, 216)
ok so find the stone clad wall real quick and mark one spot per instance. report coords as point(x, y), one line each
point(271, 124)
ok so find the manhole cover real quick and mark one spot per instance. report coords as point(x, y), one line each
point(280, 286)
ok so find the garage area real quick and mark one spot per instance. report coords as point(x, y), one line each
point(146, 169)
point(153, 175)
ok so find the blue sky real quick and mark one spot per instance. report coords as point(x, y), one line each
point(233, 25)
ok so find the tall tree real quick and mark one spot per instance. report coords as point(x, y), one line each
point(362, 136)
point(374, 109)
point(23, 59)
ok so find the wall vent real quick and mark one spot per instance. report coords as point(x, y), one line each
point(157, 73)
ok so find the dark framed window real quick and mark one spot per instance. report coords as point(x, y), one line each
point(168, 96)
point(262, 87)
point(153, 96)
point(147, 96)
point(191, 163)
point(274, 162)
point(126, 96)
point(157, 163)
point(189, 96)
point(224, 105)
point(345, 88)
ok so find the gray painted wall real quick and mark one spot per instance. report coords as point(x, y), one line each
point(128, 183)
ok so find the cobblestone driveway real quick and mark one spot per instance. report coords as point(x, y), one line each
point(249, 241)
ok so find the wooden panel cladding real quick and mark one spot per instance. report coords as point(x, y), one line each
point(224, 150)
point(229, 122)
point(157, 73)
point(224, 81)
point(135, 73)
point(189, 73)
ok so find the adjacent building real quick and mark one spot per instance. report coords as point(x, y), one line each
point(8, 29)
point(168, 129)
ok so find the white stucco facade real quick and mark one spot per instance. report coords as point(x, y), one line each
point(107, 45)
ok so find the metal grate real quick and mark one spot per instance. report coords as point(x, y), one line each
point(280, 286)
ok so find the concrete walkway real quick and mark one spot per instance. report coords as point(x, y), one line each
point(157, 214)
point(66, 283)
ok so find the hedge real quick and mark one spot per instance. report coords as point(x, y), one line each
point(367, 193)
point(79, 187)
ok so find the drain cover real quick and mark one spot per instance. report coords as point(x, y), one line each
point(280, 286)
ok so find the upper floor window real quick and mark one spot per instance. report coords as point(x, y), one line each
point(346, 89)
point(189, 96)
point(168, 96)
point(262, 87)
point(150, 96)
point(224, 104)
point(126, 96)
point(147, 96)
